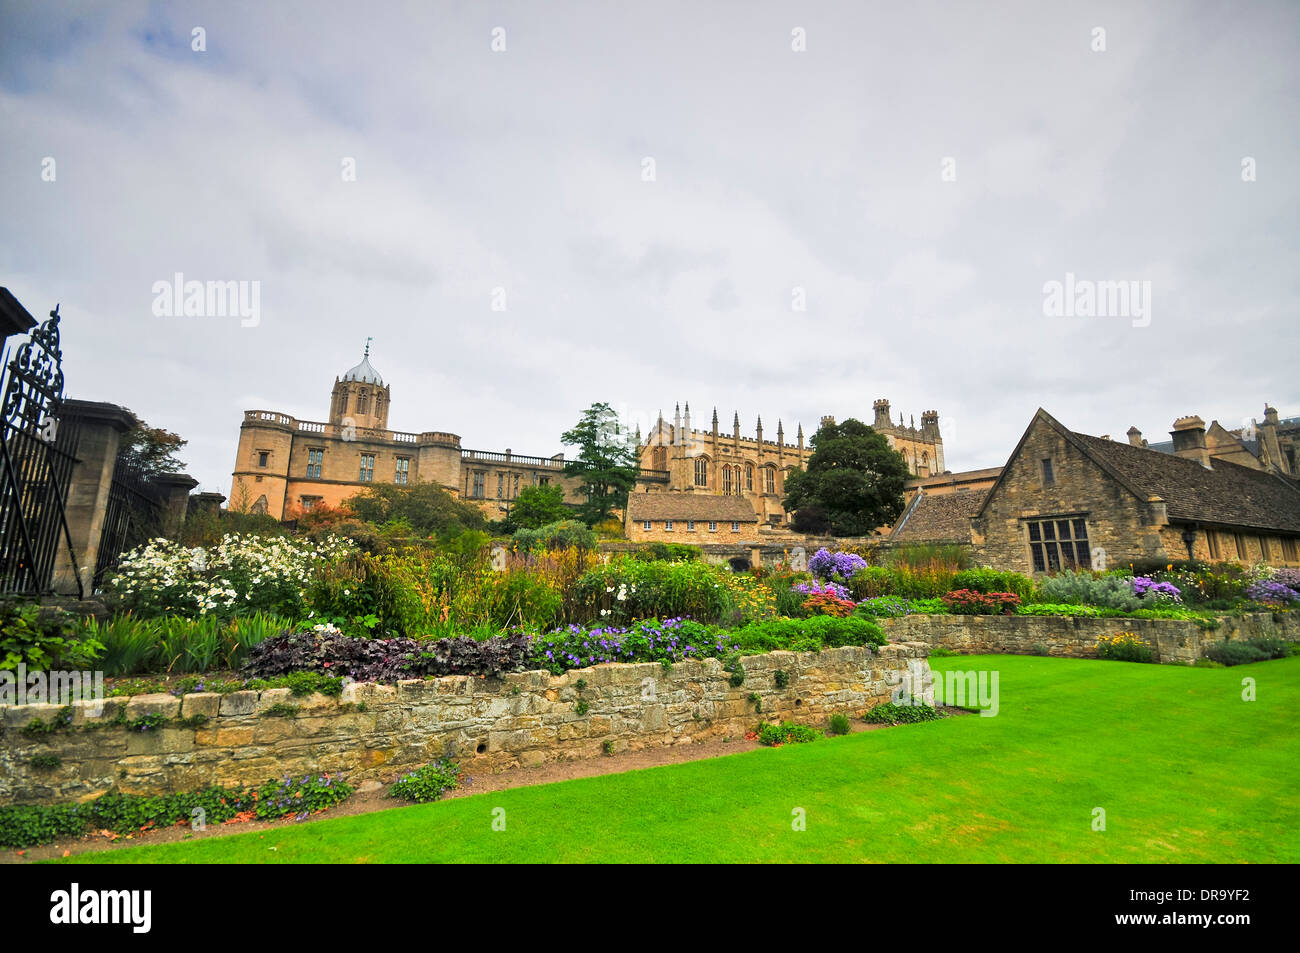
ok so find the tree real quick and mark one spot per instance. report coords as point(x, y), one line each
point(853, 475)
point(536, 506)
point(426, 507)
point(606, 461)
point(151, 451)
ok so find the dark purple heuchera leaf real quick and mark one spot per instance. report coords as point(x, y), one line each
point(385, 660)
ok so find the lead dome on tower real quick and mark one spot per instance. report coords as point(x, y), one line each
point(364, 372)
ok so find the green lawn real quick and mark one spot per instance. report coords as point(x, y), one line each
point(1185, 769)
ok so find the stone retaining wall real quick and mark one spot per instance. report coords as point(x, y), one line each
point(379, 731)
point(1175, 641)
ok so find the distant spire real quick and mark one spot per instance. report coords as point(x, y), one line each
point(800, 430)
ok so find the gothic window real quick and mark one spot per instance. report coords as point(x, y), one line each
point(701, 471)
point(362, 402)
point(403, 470)
point(659, 458)
point(749, 476)
point(367, 467)
point(769, 479)
point(726, 480)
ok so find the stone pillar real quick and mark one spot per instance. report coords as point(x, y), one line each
point(176, 500)
point(101, 427)
point(14, 318)
point(204, 504)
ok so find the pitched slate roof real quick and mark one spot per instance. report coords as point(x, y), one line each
point(689, 506)
point(934, 517)
point(1228, 494)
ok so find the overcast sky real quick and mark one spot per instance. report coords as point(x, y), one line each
point(775, 169)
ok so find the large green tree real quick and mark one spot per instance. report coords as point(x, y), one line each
point(537, 506)
point(854, 480)
point(426, 507)
point(151, 451)
point(606, 461)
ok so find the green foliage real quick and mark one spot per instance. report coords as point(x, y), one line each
point(538, 506)
point(625, 589)
point(991, 580)
point(176, 644)
point(1125, 647)
point(781, 678)
point(61, 721)
point(785, 733)
point(853, 475)
point(426, 508)
point(607, 746)
point(281, 710)
point(732, 665)
point(1251, 650)
point(45, 762)
point(804, 635)
point(667, 552)
point(903, 581)
point(952, 556)
point(839, 724)
point(557, 535)
point(1086, 589)
point(756, 700)
point(605, 463)
point(428, 783)
point(581, 707)
point(364, 594)
point(307, 683)
point(891, 713)
point(43, 639)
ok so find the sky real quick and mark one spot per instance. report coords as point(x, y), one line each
point(781, 209)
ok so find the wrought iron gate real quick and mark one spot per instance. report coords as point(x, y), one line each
point(36, 460)
point(132, 517)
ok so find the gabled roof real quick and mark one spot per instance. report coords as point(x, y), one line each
point(689, 506)
point(938, 517)
point(1228, 494)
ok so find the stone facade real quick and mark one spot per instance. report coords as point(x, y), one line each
point(379, 731)
point(285, 466)
point(1175, 641)
point(675, 457)
point(1116, 503)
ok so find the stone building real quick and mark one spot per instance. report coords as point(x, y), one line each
point(677, 458)
point(1067, 499)
point(696, 518)
point(285, 466)
point(1271, 445)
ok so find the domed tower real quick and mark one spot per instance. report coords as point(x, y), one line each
point(360, 397)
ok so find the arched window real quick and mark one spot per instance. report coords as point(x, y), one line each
point(701, 471)
point(726, 481)
point(362, 402)
point(769, 479)
point(749, 476)
point(660, 458)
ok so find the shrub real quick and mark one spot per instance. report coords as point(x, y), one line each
point(838, 566)
point(884, 607)
point(1084, 588)
point(826, 603)
point(667, 552)
point(648, 640)
point(785, 733)
point(627, 589)
point(364, 594)
point(42, 639)
point(1124, 647)
point(969, 602)
point(239, 574)
point(427, 783)
point(780, 678)
point(176, 644)
point(992, 580)
point(802, 635)
point(891, 713)
point(839, 724)
point(559, 535)
point(908, 582)
point(1251, 650)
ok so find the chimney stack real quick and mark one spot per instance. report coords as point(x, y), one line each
point(1189, 440)
point(1135, 437)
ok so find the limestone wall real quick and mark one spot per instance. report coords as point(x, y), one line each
point(1175, 641)
point(379, 731)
